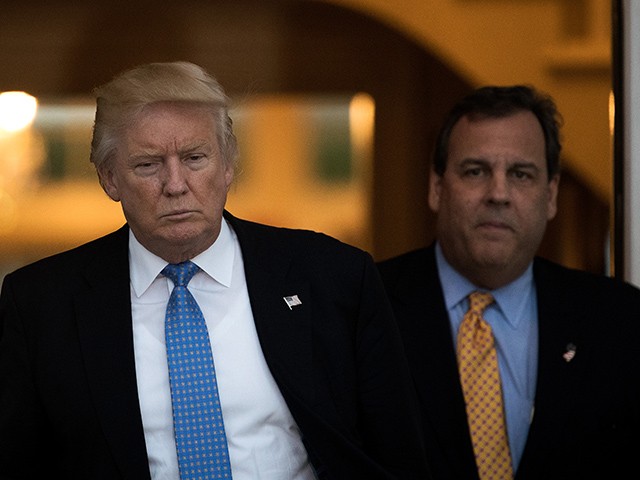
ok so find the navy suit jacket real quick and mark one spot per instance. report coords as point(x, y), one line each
point(68, 394)
point(586, 416)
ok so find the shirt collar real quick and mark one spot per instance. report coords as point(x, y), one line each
point(216, 261)
point(511, 298)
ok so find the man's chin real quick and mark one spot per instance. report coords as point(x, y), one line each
point(494, 255)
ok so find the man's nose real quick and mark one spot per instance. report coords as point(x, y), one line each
point(174, 178)
point(498, 190)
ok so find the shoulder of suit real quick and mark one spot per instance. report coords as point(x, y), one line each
point(421, 258)
point(288, 239)
point(588, 285)
point(104, 249)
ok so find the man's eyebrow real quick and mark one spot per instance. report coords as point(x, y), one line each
point(145, 153)
point(483, 161)
point(524, 164)
point(151, 152)
point(474, 161)
point(195, 145)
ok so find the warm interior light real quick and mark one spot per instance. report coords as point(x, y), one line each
point(17, 110)
point(361, 119)
point(612, 112)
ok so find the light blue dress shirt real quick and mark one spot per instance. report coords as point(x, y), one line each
point(514, 321)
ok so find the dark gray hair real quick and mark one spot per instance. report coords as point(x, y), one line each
point(498, 102)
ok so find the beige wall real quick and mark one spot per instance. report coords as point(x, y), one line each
point(55, 49)
point(560, 46)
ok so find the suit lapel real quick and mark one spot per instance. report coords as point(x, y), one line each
point(105, 331)
point(558, 319)
point(284, 331)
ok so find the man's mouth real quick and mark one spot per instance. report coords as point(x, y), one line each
point(178, 214)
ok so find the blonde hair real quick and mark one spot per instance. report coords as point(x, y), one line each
point(118, 102)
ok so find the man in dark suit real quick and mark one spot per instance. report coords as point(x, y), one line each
point(567, 356)
point(309, 367)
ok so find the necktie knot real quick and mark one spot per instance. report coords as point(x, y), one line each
point(180, 273)
point(479, 301)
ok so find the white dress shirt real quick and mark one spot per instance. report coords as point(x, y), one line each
point(264, 440)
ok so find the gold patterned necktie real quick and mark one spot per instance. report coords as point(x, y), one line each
point(480, 379)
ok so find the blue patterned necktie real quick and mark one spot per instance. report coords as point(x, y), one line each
point(201, 442)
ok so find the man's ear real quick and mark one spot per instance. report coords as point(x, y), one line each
point(435, 181)
point(552, 196)
point(229, 172)
point(109, 182)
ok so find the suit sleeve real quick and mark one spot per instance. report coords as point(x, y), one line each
point(390, 415)
point(22, 437)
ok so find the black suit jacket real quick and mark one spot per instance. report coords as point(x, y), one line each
point(68, 397)
point(586, 416)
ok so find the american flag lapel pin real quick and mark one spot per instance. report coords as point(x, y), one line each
point(570, 352)
point(292, 301)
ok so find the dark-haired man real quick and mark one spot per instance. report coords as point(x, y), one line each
point(523, 368)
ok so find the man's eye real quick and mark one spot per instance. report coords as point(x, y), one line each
point(195, 157)
point(145, 168)
point(521, 175)
point(195, 160)
point(473, 172)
